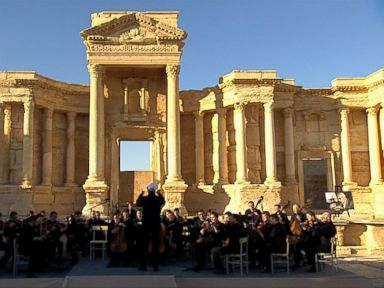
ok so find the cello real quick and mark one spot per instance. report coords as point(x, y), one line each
point(162, 235)
point(118, 243)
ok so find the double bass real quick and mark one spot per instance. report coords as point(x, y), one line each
point(118, 243)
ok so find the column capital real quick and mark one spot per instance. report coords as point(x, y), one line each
point(71, 116)
point(28, 105)
point(287, 112)
point(372, 111)
point(268, 106)
point(172, 71)
point(239, 106)
point(198, 114)
point(48, 112)
point(95, 69)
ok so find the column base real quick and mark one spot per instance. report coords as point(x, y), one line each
point(97, 199)
point(272, 183)
point(376, 182)
point(242, 181)
point(349, 184)
point(26, 184)
point(174, 195)
point(71, 184)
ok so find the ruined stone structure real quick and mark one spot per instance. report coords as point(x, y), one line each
point(254, 134)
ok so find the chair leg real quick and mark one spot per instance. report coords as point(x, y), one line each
point(226, 265)
point(288, 265)
point(271, 264)
point(241, 267)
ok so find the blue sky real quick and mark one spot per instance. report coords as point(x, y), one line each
point(310, 41)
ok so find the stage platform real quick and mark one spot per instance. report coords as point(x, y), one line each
point(352, 273)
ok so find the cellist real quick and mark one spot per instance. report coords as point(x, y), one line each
point(117, 240)
point(151, 204)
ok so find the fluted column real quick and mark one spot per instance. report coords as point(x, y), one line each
point(96, 125)
point(173, 124)
point(27, 143)
point(241, 149)
point(289, 147)
point(374, 148)
point(223, 161)
point(47, 147)
point(199, 147)
point(3, 155)
point(346, 148)
point(270, 148)
point(70, 175)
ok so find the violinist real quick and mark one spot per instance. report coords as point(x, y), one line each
point(210, 235)
point(53, 235)
point(151, 203)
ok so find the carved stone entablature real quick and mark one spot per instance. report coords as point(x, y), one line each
point(350, 89)
point(134, 32)
point(136, 97)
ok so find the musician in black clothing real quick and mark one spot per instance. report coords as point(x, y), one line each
point(322, 232)
point(252, 214)
point(151, 204)
point(53, 234)
point(174, 230)
point(210, 236)
point(233, 231)
point(11, 231)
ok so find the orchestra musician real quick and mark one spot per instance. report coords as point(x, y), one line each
point(118, 244)
point(210, 235)
point(174, 230)
point(11, 230)
point(253, 214)
point(151, 205)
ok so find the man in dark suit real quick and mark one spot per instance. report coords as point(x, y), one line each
point(151, 205)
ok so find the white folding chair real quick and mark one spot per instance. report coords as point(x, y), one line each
point(98, 244)
point(239, 259)
point(281, 258)
point(18, 259)
point(321, 258)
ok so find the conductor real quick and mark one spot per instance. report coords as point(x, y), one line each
point(151, 204)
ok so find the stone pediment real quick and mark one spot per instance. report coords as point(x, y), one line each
point(133, 29)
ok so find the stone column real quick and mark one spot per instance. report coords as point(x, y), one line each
point(289, 147)
point(95, 187)
point(199, 147)
point(346, 148)
point(3, 155)
point(270, 148)
point(174, 185)
point(241, 149)
point(173, 124)
point(28, 144)
point(374, 147)
point(47, 147)
point(71, 124)
point(96, 125)
point(7, 110)
point(223, 161)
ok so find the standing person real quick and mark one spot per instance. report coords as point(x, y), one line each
point(151, 205)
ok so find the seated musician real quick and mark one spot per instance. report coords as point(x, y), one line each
point(275, 240)
point(11, 231)
point(197, 225)
point(138, 233)
point(128, 221)
point(283, 218)
point(297, 220)
point(321, 235)
point(116, 239)
point(252, 214)
point(174, 230)
point(54, 233)
point(307, 237)
point(210, 235)
point(233, 231)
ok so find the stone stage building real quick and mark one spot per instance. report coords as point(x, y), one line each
point(253, 134)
